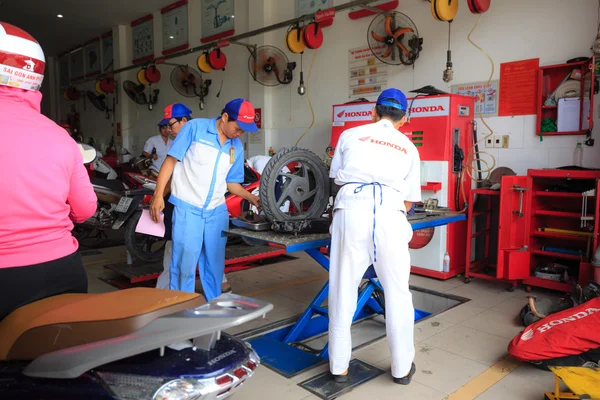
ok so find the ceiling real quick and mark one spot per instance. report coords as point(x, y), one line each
point(82, 19)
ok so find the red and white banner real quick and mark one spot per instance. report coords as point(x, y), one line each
point(421, 107)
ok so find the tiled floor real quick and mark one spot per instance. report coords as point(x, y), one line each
point(452, 348)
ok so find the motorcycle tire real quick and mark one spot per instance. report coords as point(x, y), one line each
point(131, 241)
point(268, 182)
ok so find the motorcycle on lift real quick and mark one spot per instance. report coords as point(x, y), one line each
point(120, 345)
point(118, 206)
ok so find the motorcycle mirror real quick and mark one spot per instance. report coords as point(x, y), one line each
point(124, 151)
point(88, 153)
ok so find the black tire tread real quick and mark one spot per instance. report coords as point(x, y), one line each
point(130, 241)
point(271, 172)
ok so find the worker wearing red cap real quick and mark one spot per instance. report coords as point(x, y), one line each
point(378, 169)
point(205, 161)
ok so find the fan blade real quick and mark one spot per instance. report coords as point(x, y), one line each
point(388, 25)
point(263, 58)
point(387, 52)
point(401, 31)
point(403, 48)
point(377, 37)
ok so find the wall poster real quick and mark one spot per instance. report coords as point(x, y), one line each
point(175, 27)
point(142, 34)
point(93, 65)
point(218, 19)
point(76, 62)
point(486, 96)
point(367, 76)
point(107, 52)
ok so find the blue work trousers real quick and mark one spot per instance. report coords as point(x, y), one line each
point(198, 240)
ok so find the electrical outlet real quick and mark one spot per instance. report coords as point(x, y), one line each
point(497, 140)
point(489, 142)
point(505, 141)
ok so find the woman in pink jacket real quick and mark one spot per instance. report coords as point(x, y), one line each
point(44, 184)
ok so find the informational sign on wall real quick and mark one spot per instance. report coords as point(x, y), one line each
point(218, 19)
point(63, 70)
point(383, 5)
point(304, 7)
point(76, 62)
point(142, 32)
point(258, 117)
point(92, 57)
point(367, 76)
point(486, 96)
point(107, 52)
point(175, 27)
point(518, 87)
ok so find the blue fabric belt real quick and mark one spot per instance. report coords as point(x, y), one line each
point(361, 186)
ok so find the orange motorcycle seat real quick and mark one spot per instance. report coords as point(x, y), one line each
point(70, 320)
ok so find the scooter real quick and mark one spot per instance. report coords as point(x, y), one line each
point(121, 345)
point(118, 206)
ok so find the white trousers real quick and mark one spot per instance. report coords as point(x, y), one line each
point(164, 278)
point(351, 253)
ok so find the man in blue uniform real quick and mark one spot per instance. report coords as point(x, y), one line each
point(211, 162)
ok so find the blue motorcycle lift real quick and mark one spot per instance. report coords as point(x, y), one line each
point(277, 348)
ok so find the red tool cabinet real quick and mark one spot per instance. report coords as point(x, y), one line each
point(539, 223)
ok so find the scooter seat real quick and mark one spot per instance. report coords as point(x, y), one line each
point(70, 320)
point(112, 184)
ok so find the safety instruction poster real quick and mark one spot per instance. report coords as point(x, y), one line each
point(518, 87)
point(218, 19)
point(367, 76)
point(175, 28)
point(486, 96)
point(305, 7)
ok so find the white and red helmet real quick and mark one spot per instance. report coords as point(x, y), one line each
point(22, 60)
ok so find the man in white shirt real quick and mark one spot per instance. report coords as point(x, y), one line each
point(378, 169)
point(157, 147)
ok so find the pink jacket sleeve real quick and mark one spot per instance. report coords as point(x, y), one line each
point(81, 198)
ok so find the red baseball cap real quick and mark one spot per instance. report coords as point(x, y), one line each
point(243, 113)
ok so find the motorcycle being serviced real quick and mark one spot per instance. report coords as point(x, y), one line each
point(119, 205)
point(120, 345)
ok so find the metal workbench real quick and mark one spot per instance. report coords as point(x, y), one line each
point(275, 347)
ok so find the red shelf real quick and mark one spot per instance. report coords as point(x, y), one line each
point(556, 255)
point(550, 77)
point(554, 235)
point(558, 214)
point(435, 186)
point(548, 284)
point(557, 194)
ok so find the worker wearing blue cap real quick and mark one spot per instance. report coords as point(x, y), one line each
point(378, 169)
point(205, 161)
point(157, 147)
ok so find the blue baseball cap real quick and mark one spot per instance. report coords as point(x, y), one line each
point(243, 113)
point(176, 110)
point(393, 94)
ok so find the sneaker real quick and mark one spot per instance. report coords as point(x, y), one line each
point(225, 288)
point(406, 379)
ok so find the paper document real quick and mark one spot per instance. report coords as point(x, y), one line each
point(148, 227)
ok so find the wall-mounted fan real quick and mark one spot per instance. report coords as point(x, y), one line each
point(99, 101)
point(189, 83)
point(135, 92)
point(270, 66)
point(394, 39)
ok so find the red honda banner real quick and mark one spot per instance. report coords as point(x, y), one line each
point(566, 333)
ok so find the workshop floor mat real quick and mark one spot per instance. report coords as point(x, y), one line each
point(324, 387)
